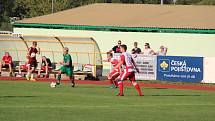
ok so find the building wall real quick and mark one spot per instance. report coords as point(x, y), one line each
point(182, 44)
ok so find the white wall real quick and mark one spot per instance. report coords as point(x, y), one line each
point(178, 43)
point(209, 73)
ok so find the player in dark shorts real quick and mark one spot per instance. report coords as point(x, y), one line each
point(31, 55)
point(66, 67)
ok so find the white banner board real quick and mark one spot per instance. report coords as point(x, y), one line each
point(146, 66)
point(209, 73)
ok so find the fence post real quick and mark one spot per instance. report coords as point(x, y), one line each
point(94, 59)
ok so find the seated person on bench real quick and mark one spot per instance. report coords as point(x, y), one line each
point(23, 67)
point(45, 66)
point(6, 62)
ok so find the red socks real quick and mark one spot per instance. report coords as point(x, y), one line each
point(137, 87)
point(121, 87)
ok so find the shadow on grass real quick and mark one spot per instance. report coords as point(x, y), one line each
point(173, 95)
point(157, 88)
point(16, 96)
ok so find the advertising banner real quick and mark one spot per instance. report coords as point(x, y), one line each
point(147, 67)
point(145, 64)
point(180, 68)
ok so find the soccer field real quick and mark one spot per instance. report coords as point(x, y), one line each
point(36, 101)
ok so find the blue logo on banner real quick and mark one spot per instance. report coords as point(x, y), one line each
point(180, 68)
point(164, 65)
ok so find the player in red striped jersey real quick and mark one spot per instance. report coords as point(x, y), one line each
point(127, 61)
point(114, 72)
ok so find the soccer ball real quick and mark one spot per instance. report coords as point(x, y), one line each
point(33, 55)
point(53, 85)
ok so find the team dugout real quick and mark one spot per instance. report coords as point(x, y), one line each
point(83, 50)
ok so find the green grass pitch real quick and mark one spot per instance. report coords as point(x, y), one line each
point(36, 101)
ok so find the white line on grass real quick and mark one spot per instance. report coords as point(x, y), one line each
point(105, 106)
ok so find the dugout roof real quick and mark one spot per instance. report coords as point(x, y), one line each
point(84, 50)
point(129, 17)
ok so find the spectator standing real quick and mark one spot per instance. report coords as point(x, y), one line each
point(116, 49)
point(147, 50)
point(6, 62)
point(163, 51)
point(136, 50)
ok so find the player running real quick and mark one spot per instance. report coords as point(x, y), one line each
point(129, 70)
point(114, 73)
point(66, 67)
point(31, 55)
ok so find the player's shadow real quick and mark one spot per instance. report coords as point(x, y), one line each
point(173, 95)
point(16, 96)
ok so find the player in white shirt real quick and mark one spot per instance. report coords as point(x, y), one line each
point(129, 65)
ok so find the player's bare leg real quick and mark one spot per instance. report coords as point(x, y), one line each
point(10, 69)
point(113, 81)
point(39, 72)
point(47, 75)
point(31, 74)
point(39, 69)
point(19, 69)
point(28, 73)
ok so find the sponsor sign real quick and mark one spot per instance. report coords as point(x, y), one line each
point(147, 67)
point(145, 64)
point(180, 68)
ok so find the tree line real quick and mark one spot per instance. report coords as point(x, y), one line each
point(31, 8)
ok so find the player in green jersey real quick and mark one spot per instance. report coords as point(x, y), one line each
point(66, 67)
